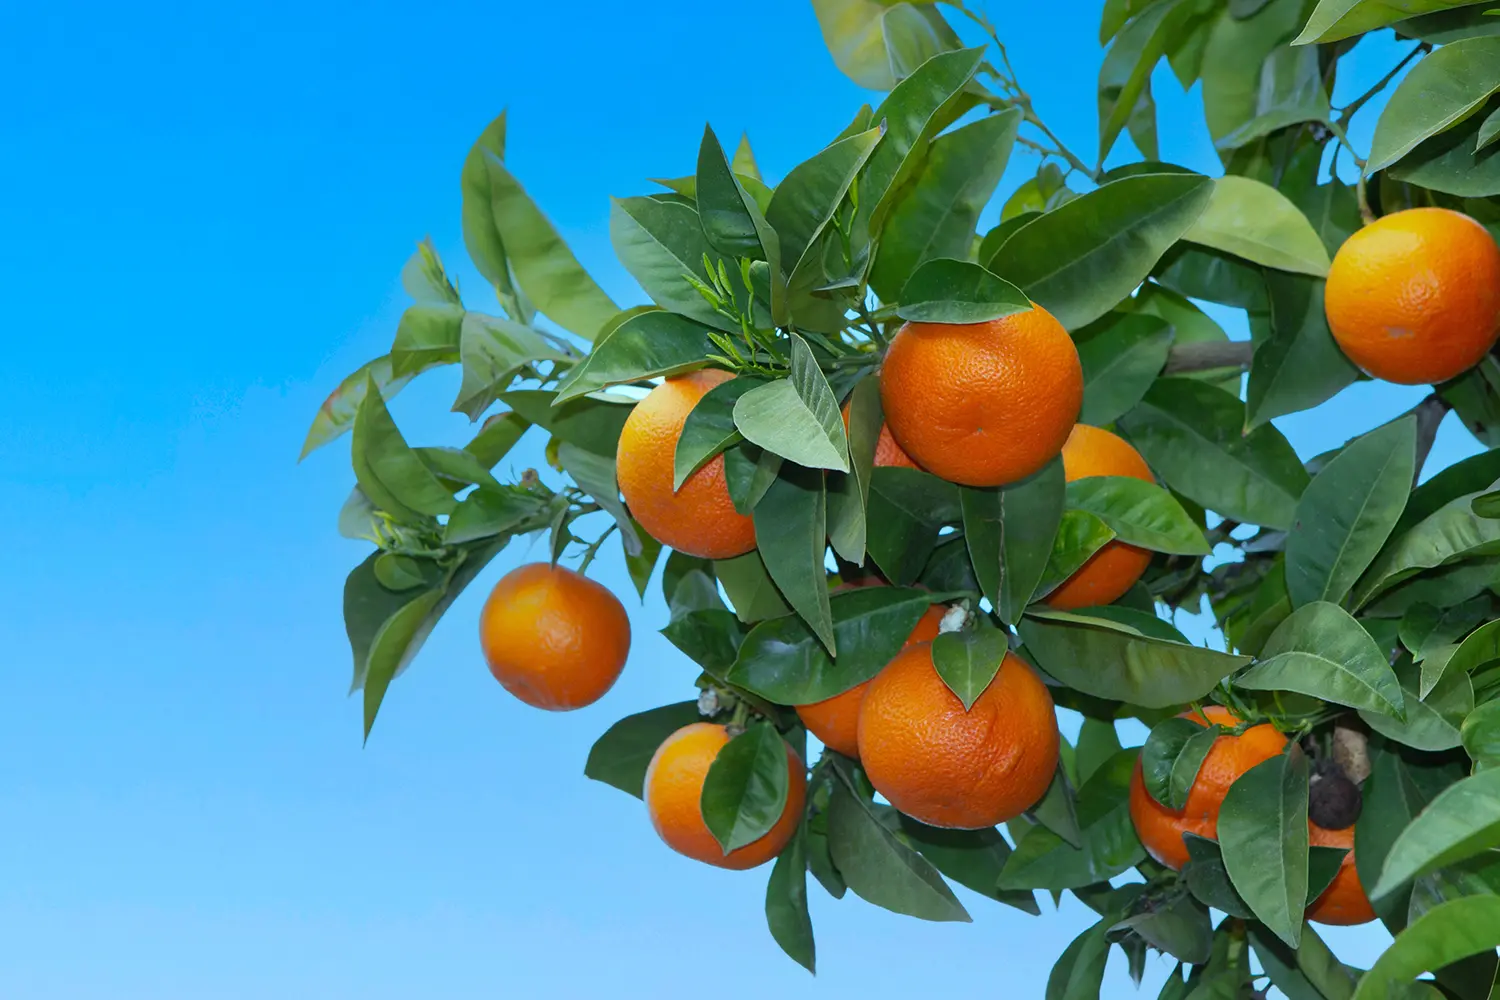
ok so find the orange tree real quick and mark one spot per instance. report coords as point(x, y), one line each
point(1042, 438)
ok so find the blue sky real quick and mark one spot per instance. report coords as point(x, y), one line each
point(206, 211)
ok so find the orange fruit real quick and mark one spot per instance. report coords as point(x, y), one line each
point(1344, 901)
point(982, 404)
point(674, 786)
point(553, 637)
point(699, 519)
point(835, 720)
point(951, 768)
point(1415, 296)
point(887, 451)
point(1093, 451)
point(1160, 828)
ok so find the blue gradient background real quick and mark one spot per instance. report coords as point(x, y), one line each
point(205, 211)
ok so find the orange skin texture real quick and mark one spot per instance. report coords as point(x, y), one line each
point(1344, 901)
point(674, 786)
point(887, 451)
point(1159, 828)
point(835, 720)
point(699, 519)
point(1414, 297)
point(554, 638)
point(1110, 572)
point(982, 404)
point(951, 768)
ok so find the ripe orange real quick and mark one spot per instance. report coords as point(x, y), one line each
point(554, 638)
point(982, 404)
point(674, 786)
point(1160, 828)
point(1415, 296)
point(699, 519)
point(1344, 901)
point(887, 451)
point(835, 720)
point(1093, 451)
point(951, 768)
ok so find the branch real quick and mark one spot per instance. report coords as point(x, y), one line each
point(1429, 413)
point(1185, 358)
point(1348, 111)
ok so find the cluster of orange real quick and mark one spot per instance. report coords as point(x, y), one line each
point(983, 405)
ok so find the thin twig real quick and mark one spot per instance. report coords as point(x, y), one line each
point(1348, 111)
point(1429, 413)
point(1200, 357)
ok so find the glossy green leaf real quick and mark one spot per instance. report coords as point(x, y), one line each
point(1291, 91)
point(1450, 25)
point(1207, 878)
point(944, 290)
point(972, 858)
point(337, 412)
point(1487, 504)
point(1479, 649)
point(1029, 513)
point(1139, 513)
point(456, 468)
point(1191, 434)
point(620, 757)
point(428, 335)
point(1441, 90)
point(1097, 742)
point(491, 350)
point(1489, 131)
point(1079, 535)
point(1263, 835)
point(807, 198)
point(783, 661)
point(879, 867)
point(1082, 258)
point(1079, 971)
point(1448, 932)
point(1348, 511)
point(968, 661)
point(496, 437)
point(543, 266)
point(936, 217)
point(661, 243)
point(1121, 355)
point(1425, 628)
point(1481, 735)
point(1057, 809)
point(1299, 365)
point(848, 495)
point(1257, 223)
point(482, 236)
point(642, 565)
point(1109, 660)
point(734, 222)
point(1235, 55)
point(1319, 650)
point(750, 588)
point(1452, 533)
point(389, 472)
point(910, 506)
point(595, 475)
point(1432, 722)
point(1452, 162)
point(796, 417)
point(1043, 860)
point(1125, 75)
point(1181, 929)
point(644, 346)
point(709, 636)
point(1172, 756)
point(709, 428)
point(791, 535)
point(592, 424)
point(1332, 20)
point(745, 790)
point(786, 903)
point(1472, 474)
point(856, 33)
point(485, 513)
point(1463, 821)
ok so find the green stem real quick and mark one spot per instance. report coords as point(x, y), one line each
point(593, 549)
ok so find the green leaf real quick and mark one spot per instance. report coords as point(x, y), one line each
point(1445, 934)
point(1432, 722)
point(1079, 535)
point(591, 424)
point(1425, 628)
point(1030, 512)
point(1291, 91)
point(620, 757)
point(393, 647)
point(1453, 533)
point(1079, 971)
point(1442, 89)
point(910, 506)
point(1481, 735)
point(958, 291)
point(968, 661)
point(848, 495)
point(595, 475)
point(1391, 799)
point(1191, 434)
point(1450, 25)
point(1487, 504)
point(456, 468)
point(745, 790)
point(336, 414)
point(644, 346)
point(936, 217)
point(1172, 756)
point(1299, 365)
point(750, 588)
point(1121, 355)
point(709, 636)
point(662, 243)
point(1479, 649)
point(1472, 474)
point(1235, 59)
point(641, 565)
point(733, 221)
point(491, 351)
point(1452, 161)
point(783, 661)
point(1309, 973)
point(389, 472)
point(1348, 511)
point(1463, 821)
point(1333, 20)
point(1207, 878)
point(786, 903)
point(1081, 259)
point(1257, 223)
point(1043, 860)
point(792, 536)
point(1489, 132)
point(1057, 810)
point(1319, 650)
point(879, 867)
point(496, 437)
point(796, 417)
point(972, 858)
point(1263, 834)
point(1109, 660)
point(482, 236)
point(485, 513)
point(856, 33)
point(1181, 929)
point(709, 428)
point(807, 198)
point(1097, 742)
point(1139, 513)
point(427, 336)
point(1125, 75)
point(544, 267)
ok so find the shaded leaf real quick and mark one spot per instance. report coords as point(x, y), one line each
point(1263, 834)
point(620, 757)
point(944, 290)
point(1043, 860)
point(709, 428)
point(1121, 356)
point(791, 535)
point(750, 588)
point(1172, 756)
point(968, 661)
point(1460, 823)
point(1299, 365)
point(1320, 650)
point(745, 790)
point(1441, 90)
point(644, 346)
point(786, 903)
point(1444, 934)
point(972, 858)
point(1139, 513)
